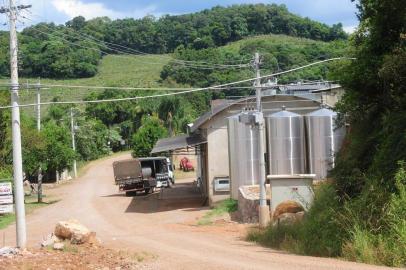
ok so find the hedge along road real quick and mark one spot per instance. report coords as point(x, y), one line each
point(162, 228)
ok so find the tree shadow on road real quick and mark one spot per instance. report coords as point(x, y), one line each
point(175, 198)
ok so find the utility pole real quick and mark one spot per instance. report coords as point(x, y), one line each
point(16, 131)
point(72, 127)
point(263, 206)
point(39, 191)
point(39, 105)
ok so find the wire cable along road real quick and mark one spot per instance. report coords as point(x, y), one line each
point(180, 92)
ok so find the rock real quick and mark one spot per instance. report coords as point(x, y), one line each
point(8, 251)
point(72, 230)
point(59, 246)
point(50, 240)
point(93, 240)
point(287, 207)
point(300, 215)
point(289, 218)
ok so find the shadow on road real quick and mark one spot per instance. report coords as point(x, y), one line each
point(181, 196)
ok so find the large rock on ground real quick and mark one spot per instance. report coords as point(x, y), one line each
point(287, 207)
point(72, 230)
point(288, 218)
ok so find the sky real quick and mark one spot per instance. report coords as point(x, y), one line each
point(60, 11)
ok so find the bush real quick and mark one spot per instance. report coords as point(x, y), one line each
point(319, 234)
point(349, 229)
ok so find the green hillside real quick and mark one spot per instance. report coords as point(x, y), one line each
point(114, 70)
point(279, 52)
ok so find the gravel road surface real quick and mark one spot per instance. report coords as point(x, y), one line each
point(162, 227)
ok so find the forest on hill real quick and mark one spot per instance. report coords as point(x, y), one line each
point(204, 49)
point(74, 50)
point(361, 214)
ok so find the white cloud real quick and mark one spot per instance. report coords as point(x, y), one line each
point(73, 8)
point(350, 29)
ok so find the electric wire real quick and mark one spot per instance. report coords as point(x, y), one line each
point(126, 56)
point(192, 64)
point(83, 35)
point(181, 92)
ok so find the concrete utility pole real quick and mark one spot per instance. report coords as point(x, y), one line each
point(39, 191)
point(16, 131)
point(39, 105)
point(72, 127)
point(263, 206)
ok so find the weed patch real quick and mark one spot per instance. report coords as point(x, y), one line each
point(226, 206)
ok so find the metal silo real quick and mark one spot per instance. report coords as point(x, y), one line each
point(286, 143)
point(243, 155)
point(324, 140)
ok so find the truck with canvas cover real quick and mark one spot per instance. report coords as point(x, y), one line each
point(130, 176)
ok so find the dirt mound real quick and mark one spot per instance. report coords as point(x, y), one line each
point(76, 257)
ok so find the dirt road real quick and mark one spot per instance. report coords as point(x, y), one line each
point(161, 227)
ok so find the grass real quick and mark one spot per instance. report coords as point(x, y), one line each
point(223, 207)
point(180, 174)
point(129, 71)
point(30, 205)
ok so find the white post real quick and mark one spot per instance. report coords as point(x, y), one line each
point(263, 207)
point(38, 106)
point(16, 133)
point(72, 126)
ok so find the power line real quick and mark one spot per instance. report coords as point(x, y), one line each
point(129, 57)
point(191, 64)
point(33, 86)
point(182, 92)
point(138, 51)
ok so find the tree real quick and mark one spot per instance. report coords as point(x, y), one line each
point(147, 135)
point(59, 152)
point(91, 139)
point(77, 23)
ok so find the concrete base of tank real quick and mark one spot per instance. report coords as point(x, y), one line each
point(248, 203)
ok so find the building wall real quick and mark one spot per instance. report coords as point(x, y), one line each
point(217, 153)
point(215, 130)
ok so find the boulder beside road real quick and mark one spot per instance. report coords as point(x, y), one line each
point(74, 231)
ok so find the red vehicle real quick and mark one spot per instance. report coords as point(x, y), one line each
point(186, 165)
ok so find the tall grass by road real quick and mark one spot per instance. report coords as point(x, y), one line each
point(331, 228)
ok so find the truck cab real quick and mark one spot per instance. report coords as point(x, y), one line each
point(156, 168)
point(170, 171)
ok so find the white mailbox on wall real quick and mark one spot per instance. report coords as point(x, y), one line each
point(298, 188)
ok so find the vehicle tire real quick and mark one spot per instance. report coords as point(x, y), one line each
point(147, 190)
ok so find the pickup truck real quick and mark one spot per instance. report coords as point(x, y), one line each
point(131, 177)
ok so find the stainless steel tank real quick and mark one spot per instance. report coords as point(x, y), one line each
point(324, 140)
point(286, 143)
point(243, 155)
